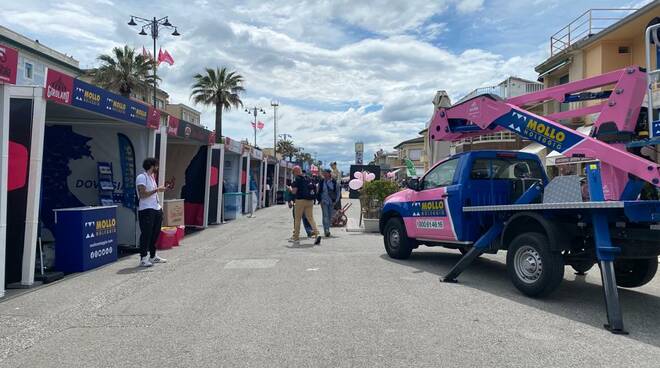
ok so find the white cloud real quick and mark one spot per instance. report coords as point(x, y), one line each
point(326, 61)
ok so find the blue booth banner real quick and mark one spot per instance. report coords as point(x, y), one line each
point(65, 89)
point(86, 238)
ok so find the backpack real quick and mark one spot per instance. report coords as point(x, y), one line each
point(307, 190)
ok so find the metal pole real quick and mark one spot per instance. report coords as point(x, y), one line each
point(277, 163)
point(255, 127)
point(154, 35)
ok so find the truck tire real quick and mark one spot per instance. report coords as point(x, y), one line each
point(534, 269)
point(397, 243)
point(632, 273)
point(582, 267)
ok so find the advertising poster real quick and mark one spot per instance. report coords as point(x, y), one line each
point(20, 138)
point(70, 173)
point(8, 64)
point(214, 181)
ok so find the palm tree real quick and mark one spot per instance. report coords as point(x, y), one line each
point(286, 148)
point(219, 88)
point(123, 70)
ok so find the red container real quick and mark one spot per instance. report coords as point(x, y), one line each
point(167, 238)
point(180, 232)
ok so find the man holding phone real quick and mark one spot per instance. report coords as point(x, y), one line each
point(150, 213)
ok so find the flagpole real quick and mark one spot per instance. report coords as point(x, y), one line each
point(255, 111)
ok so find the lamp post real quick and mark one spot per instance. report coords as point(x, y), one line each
point(255, 111)
point(154, 26)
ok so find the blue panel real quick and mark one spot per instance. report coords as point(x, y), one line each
point(531, 128)
point(92, 98)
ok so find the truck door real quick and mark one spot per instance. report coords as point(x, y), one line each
point(431, 218)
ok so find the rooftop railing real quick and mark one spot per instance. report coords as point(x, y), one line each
point(587, 24)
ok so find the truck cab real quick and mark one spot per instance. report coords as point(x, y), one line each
point(431, 209)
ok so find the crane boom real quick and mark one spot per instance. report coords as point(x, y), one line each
point(618, 116)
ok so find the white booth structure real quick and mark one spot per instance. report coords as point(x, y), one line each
point(231, 179)
point(67, 145)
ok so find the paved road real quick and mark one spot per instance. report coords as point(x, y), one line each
point(237, 296)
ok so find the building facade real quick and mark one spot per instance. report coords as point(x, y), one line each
point(184, 112)
point(413, 150)
point(34, 58)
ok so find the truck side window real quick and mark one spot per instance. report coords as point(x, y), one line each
point(500, 168)
point(441, 175)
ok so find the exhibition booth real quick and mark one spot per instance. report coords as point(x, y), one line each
point(256, 179)
point(91, 143)
point(187, 172)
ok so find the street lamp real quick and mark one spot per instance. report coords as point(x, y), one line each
point(255, 111)
point(154, 25)
point(274, 104)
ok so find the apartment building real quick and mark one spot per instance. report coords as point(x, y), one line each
point(184, 112)
point(414, 150)
point(596, 42)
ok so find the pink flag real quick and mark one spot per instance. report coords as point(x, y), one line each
point(167, 58)
point(146, 54)
point(260, 125)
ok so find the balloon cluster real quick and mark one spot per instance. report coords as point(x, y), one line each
point(361, 177)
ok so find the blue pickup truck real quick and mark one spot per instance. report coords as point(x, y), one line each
point(503, 200)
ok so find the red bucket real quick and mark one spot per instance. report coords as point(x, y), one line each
point(167, 238)
point(180, 232)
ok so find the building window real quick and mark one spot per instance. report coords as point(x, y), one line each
point(160, 104)
point(415, 154)
point(624, 50)
point(29, 70)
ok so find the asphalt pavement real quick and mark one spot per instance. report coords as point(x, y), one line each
point(239, 295)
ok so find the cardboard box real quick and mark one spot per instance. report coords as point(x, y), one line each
point(173, 212)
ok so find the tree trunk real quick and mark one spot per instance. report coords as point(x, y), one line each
point(218, 123)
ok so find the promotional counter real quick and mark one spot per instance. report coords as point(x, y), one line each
point(187, 169)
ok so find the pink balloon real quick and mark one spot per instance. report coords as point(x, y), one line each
point(370, 177)
point(355, 184)
point(358, 175)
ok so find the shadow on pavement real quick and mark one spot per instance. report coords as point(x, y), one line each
point(577, 299)
point(131, 270)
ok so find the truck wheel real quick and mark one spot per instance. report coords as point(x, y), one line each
point(533, 268)
point(397, 243)
point(635, 272)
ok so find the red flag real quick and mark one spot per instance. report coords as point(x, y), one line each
point(146, 54)
point(160, 55)
point(260, 125)
point(167, 58)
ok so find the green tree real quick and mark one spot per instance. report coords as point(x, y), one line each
point(123, 70)
point(287, 148)
point(219, 88)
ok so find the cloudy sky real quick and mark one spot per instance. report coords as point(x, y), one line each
point(342, 70)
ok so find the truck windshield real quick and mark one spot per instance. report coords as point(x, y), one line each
point(505, 168)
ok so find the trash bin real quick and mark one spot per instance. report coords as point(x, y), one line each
point(232, 204)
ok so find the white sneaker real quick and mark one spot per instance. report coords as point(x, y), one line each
point(157, 259)
point(144, 262)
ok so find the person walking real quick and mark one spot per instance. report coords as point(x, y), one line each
point(328, 196)
point(290, 200)
point(150, 213)
point(305, 192)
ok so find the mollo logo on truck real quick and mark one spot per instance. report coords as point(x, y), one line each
point(546, 134)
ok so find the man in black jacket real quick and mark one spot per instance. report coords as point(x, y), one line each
point(328, 196)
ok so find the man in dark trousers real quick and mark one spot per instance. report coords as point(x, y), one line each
point(150, 213)
point(305, 192)
point(328, 196)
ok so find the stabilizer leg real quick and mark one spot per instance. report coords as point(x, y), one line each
point(479, 247)
point(614, 314)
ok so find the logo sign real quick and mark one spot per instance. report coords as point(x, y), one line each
point(8, 64)
point(65, 89)
point(257, 154)
point(233, 145)
point(549, 135)
point(429, 209)
point(193, 132)
point(430, 224)
point(59, 87)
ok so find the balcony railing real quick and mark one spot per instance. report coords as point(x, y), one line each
point(494, 137)
point(587, 24)
point(504, 91)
